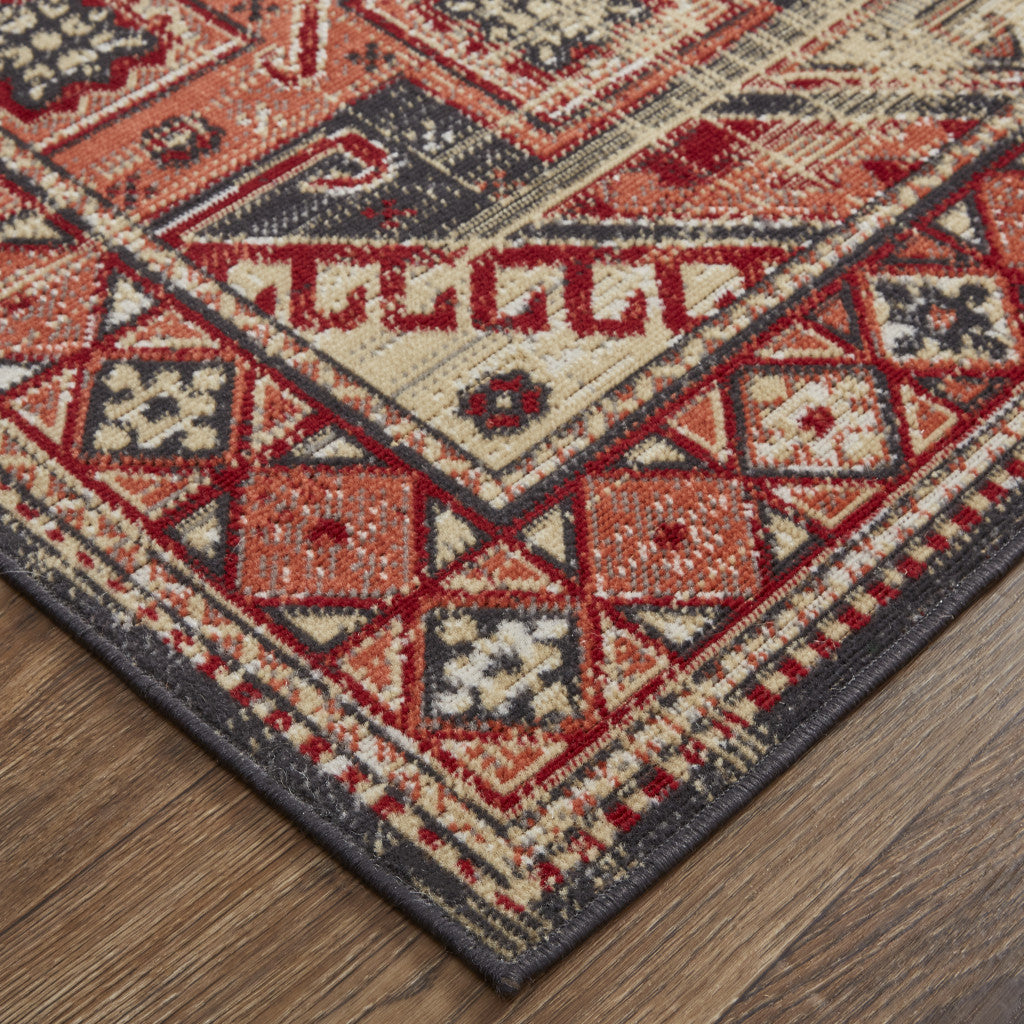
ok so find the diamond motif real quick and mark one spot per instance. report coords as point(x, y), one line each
point(497, 664)
point(156, 409)
point(335, 533)
point(662, 536)
point(929, 317)
point(816, 421)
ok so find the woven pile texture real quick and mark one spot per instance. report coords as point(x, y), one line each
point(508, 432)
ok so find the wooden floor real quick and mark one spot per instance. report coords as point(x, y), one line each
point(882, 879)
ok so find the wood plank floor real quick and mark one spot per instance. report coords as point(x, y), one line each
point(881, 879)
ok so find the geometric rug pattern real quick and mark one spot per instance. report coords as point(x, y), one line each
point(506, 436)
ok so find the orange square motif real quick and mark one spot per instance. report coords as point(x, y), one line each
point(667, 540)
point(335, 534)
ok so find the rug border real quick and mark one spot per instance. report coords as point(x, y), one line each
point(508, 977)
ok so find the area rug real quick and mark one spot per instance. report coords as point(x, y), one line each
point(509, 433)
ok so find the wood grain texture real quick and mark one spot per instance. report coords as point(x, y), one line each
point(880, 879)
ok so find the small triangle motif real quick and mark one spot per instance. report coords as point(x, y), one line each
point(30, 227)
point(680, 629)
point(320, 629)
point(12, 374)
point(165, 327)
point(702, 421)
point(628, 665)
point(918, 248)
point(276, 412)
point(656, 452)
point(204, 533)
point(152, 493)
point(553, 536)
point(126, 302)
point(827, 503)
point(786, 537)
point(927, 421)
point(45, 406)
point(499, 568)
point(329, 447)
point(1002, 47)
point(966, 392)
point(504, 761)
point(796, 342)
point(963, 222)
point(377, 664)
point(838, 314)
point(450, 535)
